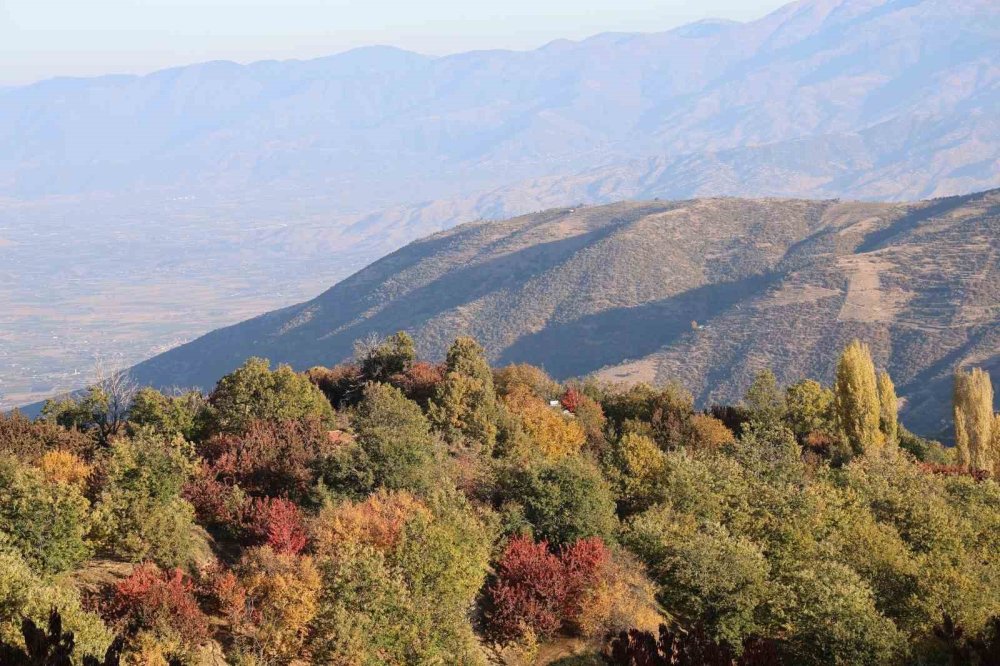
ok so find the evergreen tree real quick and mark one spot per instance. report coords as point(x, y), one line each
point(465, 408)
point(763, 399)
point(889, 409)
point(973, 404)
point(856, 398)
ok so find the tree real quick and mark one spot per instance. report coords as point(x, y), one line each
point(380, 359)
point(183, 414)
point(253, 392)
point(393, 448)
point(565, 500)
point(635, 466)
point(102, 408)
point(764, 399)
point(45, 521)
point(810, 409)
point(465, 409)
point(551, 434)
point(888, 409)
point(269, 602)
point(856, 398)
point(973, 406)
point(140, 513)
point(30, 440)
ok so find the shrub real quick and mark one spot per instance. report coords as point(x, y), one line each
point(278, 523)
point(270, 458)
point(140, 513)
point(28, 440)
point(61, 466)
point(270, 602)
point(530, 591)
point(253, 392)
point(24, 594)
point(45, 521)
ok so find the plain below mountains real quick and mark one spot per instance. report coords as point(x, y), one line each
point(706, 291)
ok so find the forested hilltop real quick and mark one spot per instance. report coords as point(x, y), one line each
point(389, 510)
point(707, 291)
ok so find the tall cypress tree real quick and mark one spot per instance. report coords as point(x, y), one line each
point(465, 409)
point(857, 403)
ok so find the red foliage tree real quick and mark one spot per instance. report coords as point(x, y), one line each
point(584, 564)
point(419, 383)
point(571, 400)
point(686, 647)
point(270, 459)
point(530, 590)
point(150, 598)
point(543, 591)
point(277, 522)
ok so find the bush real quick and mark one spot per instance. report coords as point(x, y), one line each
point(564, 501)
point(253, 392)
point(23, 594)
point(278, 523)
point(140, 513)
point(269, 603)
point(45, 521)
point(28, 440)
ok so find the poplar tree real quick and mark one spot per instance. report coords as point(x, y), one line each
point(974, 420)
point(889, 408)
point(857, 403)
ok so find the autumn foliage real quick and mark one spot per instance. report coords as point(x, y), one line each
point(154, 599)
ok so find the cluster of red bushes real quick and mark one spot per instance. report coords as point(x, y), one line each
point(544, 591)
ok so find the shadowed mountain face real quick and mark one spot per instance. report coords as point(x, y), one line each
point(616, 290)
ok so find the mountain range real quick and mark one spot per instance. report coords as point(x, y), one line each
point(137, 212)
point(706, 292)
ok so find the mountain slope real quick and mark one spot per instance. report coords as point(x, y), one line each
point(614, 290)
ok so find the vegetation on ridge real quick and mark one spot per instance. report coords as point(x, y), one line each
point(390, 511)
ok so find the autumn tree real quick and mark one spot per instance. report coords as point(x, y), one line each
point(102, 408)
point(888, 409)
point(973, 407)
point(856, 398)
point(764, 399)
point(810, 409)
point(550, 433)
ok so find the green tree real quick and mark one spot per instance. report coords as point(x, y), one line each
point(810, 408)
point(635, 466)
point(254, 392)
point(465, 409)
point(564, 501)
point(183, 414)
point(394, 446)
point(764, 399)
point(45, 521)
point(140, 514)
point(888, 409)
point(856, 398)
point(381, 359)
point(973, 407)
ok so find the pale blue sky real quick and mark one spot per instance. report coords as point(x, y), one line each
point(43, 38)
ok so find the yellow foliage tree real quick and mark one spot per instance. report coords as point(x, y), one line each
point(973, 405)
point(888, 408)
point(856, 398)
point(553, 434)
point(63, 466)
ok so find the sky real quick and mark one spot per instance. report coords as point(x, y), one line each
point(44, 38)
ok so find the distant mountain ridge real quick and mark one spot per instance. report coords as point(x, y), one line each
point(380, 119)
point(704, 291)
point(196, 195)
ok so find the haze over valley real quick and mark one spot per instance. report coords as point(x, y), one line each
point(139, 212)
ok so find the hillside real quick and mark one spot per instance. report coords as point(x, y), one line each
point(198, 195)
point(614, 290)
